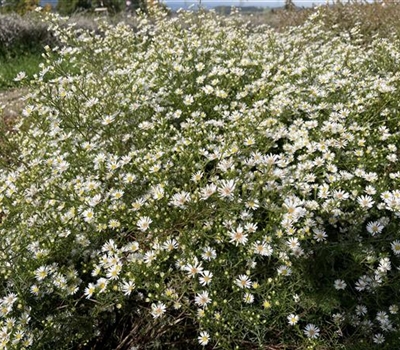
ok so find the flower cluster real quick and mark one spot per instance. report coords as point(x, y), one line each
point(201, 173)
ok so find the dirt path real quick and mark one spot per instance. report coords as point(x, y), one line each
point(12, 102)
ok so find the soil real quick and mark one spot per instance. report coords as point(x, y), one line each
point(12, 102)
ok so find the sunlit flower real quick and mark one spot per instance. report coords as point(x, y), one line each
point(293, 319)
point(202, 299)
point(144, 223)
point(204, 338)
point(243, 281)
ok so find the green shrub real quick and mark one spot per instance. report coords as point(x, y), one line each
point(199, 183)
point(68, 7)
point(18, 6)
point(22, 35)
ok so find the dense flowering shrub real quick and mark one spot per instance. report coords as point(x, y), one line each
point(200, 183)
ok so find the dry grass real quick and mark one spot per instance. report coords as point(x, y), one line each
point(373, 19)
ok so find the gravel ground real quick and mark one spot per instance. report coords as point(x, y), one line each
point(12, 102)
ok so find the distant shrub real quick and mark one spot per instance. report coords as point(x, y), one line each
point(198, 182)
point(20, 7)
point(21, 35)
point(372, 18)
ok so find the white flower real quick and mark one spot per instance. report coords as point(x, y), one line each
point(144, 223)
point(319, 235)
point(206, 278)
point(149, 256)
point(395, 245)
point(20, 76)
point(209, 253)
point(374, 227)
point(127, 287)
point(204, 338)
point(108, 119)
point(361, 310)
point(42, 272)
point(114, 271)
point(293, 319)
point(384, 265)
point(34, 290)
point(158, 310)
point(207, 191)
point(243, 281)
point(170, 244)
point(226, 188)
point(248, 298)
point(102, 284)
point(379, 338)
point(202, 299)
point(193, 269)
point(89, 290)
point(284, 270)
point(88, 215)
point(238, 237)
point(340, 284)
point(180, 199)
point(293, 243)
point(311, 331)
point(262, 248)
point(365, 202)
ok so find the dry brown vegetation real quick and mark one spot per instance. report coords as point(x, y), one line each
point(373, 19)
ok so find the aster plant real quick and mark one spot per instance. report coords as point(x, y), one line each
point(203, 182)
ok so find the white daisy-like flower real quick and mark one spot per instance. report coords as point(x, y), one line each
point(293, 319)
point(248, 298)
point(379, 338)
point(262, 248)
point(340, 284)
point(202, 299)
point(157, 310)
point(206, 277)
point(144, 223)
point(204, 338)
point(193, 269)
point(88, 215)
point(89, 290)
point(238, 236)
point(374, 227)
point(311, 331)
point(243, 281)
point(365, 202)
point(226, 188)
point(284, 270)
point(128, 287)
point(395, 245)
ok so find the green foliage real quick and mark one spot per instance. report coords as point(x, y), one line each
point(22, 36)
point(68, 7)
point(199, 182)
point(10, 67)
point(20, 6)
